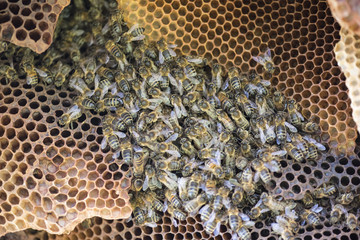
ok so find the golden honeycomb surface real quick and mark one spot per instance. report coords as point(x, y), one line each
point(30, 23)
point(302, 35)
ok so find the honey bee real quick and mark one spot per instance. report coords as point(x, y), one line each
point(115, 24)
point(139, 161)
point(310, 127)
point(280, 128)
point(205, 212)
point(273, 204)
point(97, 32)
point(193, 185)
point(51, 56)
point(294, 152)
point(31, 75)
point(173, 198)
point(307, 199)
point(216, 75)
point(100, 90)
point(154, 202)
point(246, 149)
point(168, 179)
point(151, 180)
point(262, 106)
point(189, 69)
point(124, 117)
point(262, 172)
point(336, 213)
point(247, 181)
point(166, 52)
point(237, 196)
point(8, 71)
point(345, 198)
point(225, 120)
point(139, 214)
point(324, 191)
point(213, 224)
point(279, 101)
point(84, 102)
point(116, 52)
point(110, 103)
point(257, 210)
point(295, 117)
point(45, 75)
point(244, 224)
point(152, 218)
point(176, 213)
point(189, 167)
point(311, 216)
point(89, 68)
point(226, 103)
point(111, 138)
point(239, 118)
point(135, 33)
point(105, 73)
point(351, 221)
point(61, 73)
point(70, 116)
point(234, 79)
point(267, 133)
point(184, 83)
point(156, 93)
point(165, 77)
point(266, 61)
point(207, 108)
point(195, 204)
point(246, 105)
point(221, 198)
point(178, 106)
point(187, 148)
point(282, 230)
point(152, 79)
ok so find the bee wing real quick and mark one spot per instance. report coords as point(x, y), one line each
point(277, 228)
point(259, 59)
point(152, 224)
point(279, 153)
point(313, 141)
point(183, 110)
point(225, 85)
point(272, 167)
point(291, 127)
point(217, 229)
point(174, 222)
point(174, 153)
point(204, 208)
point(41, 72)
point(103, 143)
point(262, 136)
point(290, 213)
point(267, 54)
point(300, 116)
point(133, 27)
point(177, 111)
point(138, 38)
point(256, 177)
point(161, 57)
point(265, 83)
point(172, 52)
point(211, 218)
point(146, 183)
point(195, 60)
point(182, 184)
point(74, 108)
point(244, 217)
point(315, 208)
point(172, 138)
point(249, 224)
point(120, 134)
point(172, 46)
point(116, 154)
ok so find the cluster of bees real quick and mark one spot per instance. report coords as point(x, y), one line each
point(200, 140)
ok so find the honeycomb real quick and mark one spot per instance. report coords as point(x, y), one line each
point(53, 178)
point(30, 23)
point(346, 13)
point(302, 35)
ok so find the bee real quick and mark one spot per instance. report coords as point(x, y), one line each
point(99, 91)
point(9, 72)
point(108, 103)
point(225, 120)
point(299, 142)
point(187, 148)
point(283, 231)
point(207, 108)
point(266, 61)
point(257, 210)
point(105, 73)
point(311, 216)
point(184, 82)
point(273, 204)
point(152, 79)
point(97, 32)
point(226, 103)
point(279, 101)
point(168, 179)
point(193, 185)
point(229, 151)
point(295, 117)
point(166, 52)
point(238, 195)
point(151, 180)
point(87, 223)
point(324, 191)
point(135, 33)
point(149, 64)
point(234, 79)
point(31, 75)
point(244, 224)
point(111, 138)
point(294, 152)
point(246, 105)
point(116, 52)
point(336, 213)
point(154, 202)
point(139, 214)
point(247, 181)
point(3, 46)
point(165, 77)
point(259, 83)
point(345, 198)
point(178, 106)
point(217, 71)
point(261, 171)
point(220, 198)
point(280, 127)
point(189, 69)
point(246, 149)
point(194, 205)
point(156, 93)
point(176, 213)
point(89, 68)
point(240, 120)
point(70, 116)
point(62, 72)
point(173, 198)
point(125, 117)
point(139, 159)
point(115, 24)
point(234, 218)
point(213, 224)
point(309, 127)
point(267, 133)
point(84, 102)
point(351, 221)
point(205, 212)
point(307, 199)
point(152, 218)
point(189, 167)
point(262, 106)
point(45, 74)
point(51, 56)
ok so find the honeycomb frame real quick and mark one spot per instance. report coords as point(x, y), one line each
point(30, 23)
